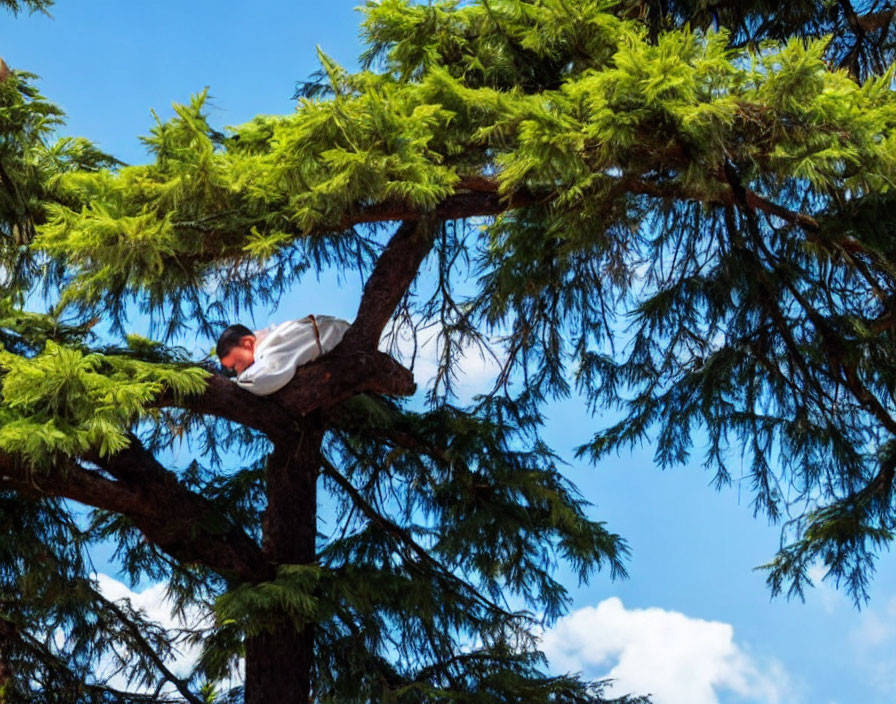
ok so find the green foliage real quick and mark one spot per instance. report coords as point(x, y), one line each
point(57, 626)
point(699, 233)
point(29, 163)
point(63, 401)
point(253, 608)
point(24, 332)
point(621, 109)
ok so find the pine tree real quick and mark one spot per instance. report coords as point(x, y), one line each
point(678, 210)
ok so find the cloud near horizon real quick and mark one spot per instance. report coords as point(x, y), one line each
point(156, 607)
point(674, 658)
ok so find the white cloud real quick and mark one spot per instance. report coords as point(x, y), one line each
point(675, 658)
point(151, 601)
point(154, 605)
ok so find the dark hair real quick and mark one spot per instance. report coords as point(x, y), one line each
point(230, 338)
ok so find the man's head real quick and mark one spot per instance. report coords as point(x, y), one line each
point(236, 348)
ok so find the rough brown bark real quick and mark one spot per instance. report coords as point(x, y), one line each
point(224, 399)
point(482, 199)
point(184, 524)
point(475, 196)
point(279, 664)
point(347, 371)
point(876, 20)
point(390, 279)
point(181, 522)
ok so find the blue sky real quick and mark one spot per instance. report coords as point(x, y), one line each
point(694, 621)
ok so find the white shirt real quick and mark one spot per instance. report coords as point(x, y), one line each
point(281, 349)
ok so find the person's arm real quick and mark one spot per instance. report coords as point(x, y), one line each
point(266, 376)
point(275, 362)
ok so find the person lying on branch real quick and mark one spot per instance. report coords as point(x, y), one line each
point(264, 361)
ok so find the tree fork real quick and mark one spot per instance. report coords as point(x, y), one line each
point(279, 663)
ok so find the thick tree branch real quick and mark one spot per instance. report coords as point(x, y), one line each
point(755, 201)
point(479, 196)
point(476, 196)
point(393, 274)
point(726, 198)
point(481, 199)
point(354, 366)
point(875, 20)
point(341, 374)
point(322, 383)
point(183, 524)
point(224, 399)
point(870, 22)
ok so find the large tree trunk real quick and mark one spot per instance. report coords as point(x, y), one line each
point(278, 665)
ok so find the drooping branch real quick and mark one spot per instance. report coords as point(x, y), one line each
point(146, 648)
point(183, 524)
point(398, 436)
point(404, 537)
point(37, 650)
point(844, 375)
